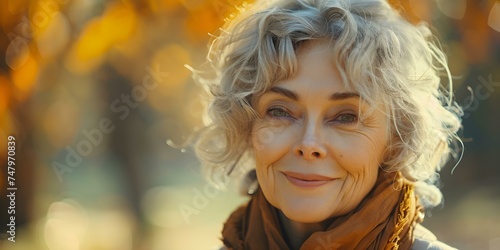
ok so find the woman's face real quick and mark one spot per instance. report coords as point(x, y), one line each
point(315, 158)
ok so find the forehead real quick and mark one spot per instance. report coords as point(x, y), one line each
point(316, 69)
point(317, 63)
point(349, 69)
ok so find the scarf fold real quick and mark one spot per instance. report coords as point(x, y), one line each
point(384, 219)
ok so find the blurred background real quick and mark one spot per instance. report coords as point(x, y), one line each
point(93, 90)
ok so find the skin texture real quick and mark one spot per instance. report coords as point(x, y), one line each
point(311, 125)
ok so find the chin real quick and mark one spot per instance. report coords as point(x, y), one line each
point(308, 215)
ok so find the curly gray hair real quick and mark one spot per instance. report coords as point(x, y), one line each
point(381, 56)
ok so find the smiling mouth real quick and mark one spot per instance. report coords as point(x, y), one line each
point(307, 180)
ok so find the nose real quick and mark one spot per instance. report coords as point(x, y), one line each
point(310, 145)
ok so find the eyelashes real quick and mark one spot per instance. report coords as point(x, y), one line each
point(344, 117)
point(347, 118)
point(277, 112)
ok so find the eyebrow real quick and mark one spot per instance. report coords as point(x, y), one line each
point(282, 91)
point(334, 97)
point(343, 96)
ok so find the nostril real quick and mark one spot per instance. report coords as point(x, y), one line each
point(315, 154)
point(301, 152)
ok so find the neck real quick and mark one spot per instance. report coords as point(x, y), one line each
point(297, 232)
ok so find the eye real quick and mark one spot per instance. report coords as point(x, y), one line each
point(278, 112)
point(347, 118)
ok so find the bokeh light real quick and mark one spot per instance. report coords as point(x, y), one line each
point(69, 66)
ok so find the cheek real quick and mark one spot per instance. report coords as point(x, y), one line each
point(360, 155)
point(266, 176)
point(359, 152)
point(271, 142)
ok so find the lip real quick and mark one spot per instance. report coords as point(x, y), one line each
point(307, 180)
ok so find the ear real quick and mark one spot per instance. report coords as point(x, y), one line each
point(249, 184)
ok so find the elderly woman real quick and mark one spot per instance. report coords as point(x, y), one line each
point(337, 107)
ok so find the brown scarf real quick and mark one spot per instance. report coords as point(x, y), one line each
point(383, 220)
